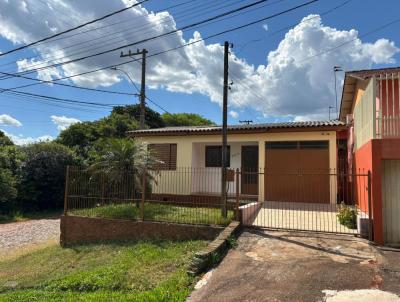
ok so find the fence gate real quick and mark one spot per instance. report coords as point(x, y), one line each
point(312, 201)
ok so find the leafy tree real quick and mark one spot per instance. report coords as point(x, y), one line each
point(84, 137)
point(185, 119)
point(42, 176)
point(152, 118)
point(11, 159)
point(8, 191)
point(5, 140)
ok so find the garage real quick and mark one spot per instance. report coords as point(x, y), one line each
point(297, 171)
point(391, 201)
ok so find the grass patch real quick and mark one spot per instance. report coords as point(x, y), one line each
point(158, 212)
point(135, 271)
point(21, 216)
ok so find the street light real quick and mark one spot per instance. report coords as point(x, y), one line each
point(127, 74)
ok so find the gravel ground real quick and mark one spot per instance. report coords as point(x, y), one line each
point(18, 235)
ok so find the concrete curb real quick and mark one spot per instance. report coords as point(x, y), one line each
point(215, 251)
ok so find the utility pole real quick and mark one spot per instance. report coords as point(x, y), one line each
point(224, 200)
point(336, 69)
point(143, 52)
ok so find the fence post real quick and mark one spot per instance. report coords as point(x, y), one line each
point(237, 195)
point(66, 192)
point(370, 221)
point(143, 194)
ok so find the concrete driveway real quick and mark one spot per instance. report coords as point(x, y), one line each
point(300, 266)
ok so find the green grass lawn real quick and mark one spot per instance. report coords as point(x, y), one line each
point(158, 212)
point(135, 271)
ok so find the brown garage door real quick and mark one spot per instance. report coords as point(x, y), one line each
point(297, 171)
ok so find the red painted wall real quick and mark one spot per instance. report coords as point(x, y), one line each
point(370, 157)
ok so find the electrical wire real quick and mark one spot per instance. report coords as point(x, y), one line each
point(155, 37)
point(178, 47)
point(105, 35)
point(72, 29)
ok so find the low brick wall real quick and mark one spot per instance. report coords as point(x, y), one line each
point(76, 229)
point(215, 251)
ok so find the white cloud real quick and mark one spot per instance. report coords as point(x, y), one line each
point(63, 122)
point(234, 114)
point(288, 85)
point(6, 120)
point(26, 140)
point(47, 74)
point(265, 26)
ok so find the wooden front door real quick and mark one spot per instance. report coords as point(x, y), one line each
point(249, 178)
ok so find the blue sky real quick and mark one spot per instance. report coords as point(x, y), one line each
point(264, 90)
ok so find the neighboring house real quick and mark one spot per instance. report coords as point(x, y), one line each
point(371, 100)
point(280, 147)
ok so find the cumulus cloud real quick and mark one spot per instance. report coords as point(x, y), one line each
point(47, 74)
point(26, 140)
point(295, 82)
point(233, 114)
point(63, 122)
point(7, 120)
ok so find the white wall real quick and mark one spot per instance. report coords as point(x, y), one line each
point(209, 179)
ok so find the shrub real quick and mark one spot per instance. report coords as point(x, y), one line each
point(347, 216)
point(8, 191)
point(42, 176)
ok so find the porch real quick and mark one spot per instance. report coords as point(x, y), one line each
point(377, 113)
point(302, 216)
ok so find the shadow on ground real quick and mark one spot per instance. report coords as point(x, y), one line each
point(298, 266)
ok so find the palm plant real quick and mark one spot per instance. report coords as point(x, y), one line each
point(121, 157)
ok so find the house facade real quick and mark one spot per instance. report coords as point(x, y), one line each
point(371, 107)
point(254, 149)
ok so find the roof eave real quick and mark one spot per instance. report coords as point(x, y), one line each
point(237, 131)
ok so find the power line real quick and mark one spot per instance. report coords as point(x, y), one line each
point(115, 23)
point(190, 43)
point(72, 29)
point(155, 104)
point(66, 85)
point(114, 34)
point(180, 46)
point(292, 25)
point(157, 36)
point(34, 95)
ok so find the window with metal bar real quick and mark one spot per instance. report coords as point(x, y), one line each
point(166, 153)
point(214, 156)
